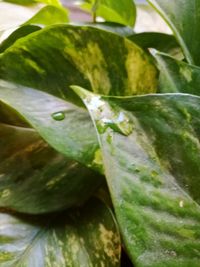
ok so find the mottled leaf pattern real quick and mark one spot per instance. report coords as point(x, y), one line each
point(184, 19)
point(85, 237)
point(16, 34)
point(53, 152)
point(177, 76)
point(150, 148)
point(99, 61)
point(34, 178)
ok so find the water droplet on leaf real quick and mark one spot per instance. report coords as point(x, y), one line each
point(124, 125)
point(58, 116)
point(94, 103)
point(181, 204)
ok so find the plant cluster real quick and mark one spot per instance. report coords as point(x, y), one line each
point(99, 136)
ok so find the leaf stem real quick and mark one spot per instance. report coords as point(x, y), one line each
point(94, 17)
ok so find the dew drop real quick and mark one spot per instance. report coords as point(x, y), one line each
point(58, 116)
point(181, 204)
point(124, 125)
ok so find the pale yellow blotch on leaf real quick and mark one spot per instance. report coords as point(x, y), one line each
point(91, 62)
point(142, 74)
point(5, 193)
point(110, 243)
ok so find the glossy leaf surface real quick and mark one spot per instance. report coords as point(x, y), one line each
point(177, 76)
point(66, 127)
point(99, 60)
point(16, 34)
point(159, 41)
point(184, 19)
point(34, 178)
point(112, 27)
point(49, 15)
point(150, 147)
point(85, 237)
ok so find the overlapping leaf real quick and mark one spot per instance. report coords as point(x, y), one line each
point(49, 15)
point(113, 27)
point(177, 76)
point(16, 34)
point(37, 14)
point(85, 237)
point(184, 19)
point(73, 135)
point(34, 178)
point(111, 10)
point(58, 56)
point(31, 2)
point(159, 41)
point(150, 148)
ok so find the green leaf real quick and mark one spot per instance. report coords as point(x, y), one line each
point(50, 2)
point(111, 10)
point(159, 41)
point(30, 2)
point(34, 178)
point(10, 117)
point(49, 15)
point(151, 155)
point(99, 60)
point(20, 2)
point(84, 237)
point(112, 27)
point(65, 126)
point(177, 76)
point(184, 19)
point(16, 34)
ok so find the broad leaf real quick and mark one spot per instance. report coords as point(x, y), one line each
point(111, 10)
point(99, 60)
point(84, 237)
point(10, 117)
point(16, 34)
point(177, 76)
point(30, 2)
point(113, 27)
point(49, 15)
point(34, 178)
point(63, 125)
point(184, 19)
point(151, 154)
point(159, 41)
